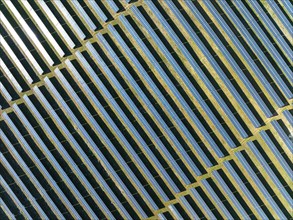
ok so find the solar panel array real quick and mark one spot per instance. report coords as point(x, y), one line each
point(146, 109)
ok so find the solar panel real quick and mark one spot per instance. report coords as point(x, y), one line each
point(260, 53)
point(70, 19)
point(230, 194)
point(259, 184)
point(273, 30)
point(269, 170)
point(285, 69)
point(84, 15)
point(245, 190)
point(275, 151)
point(145, 109)
point(98, 10)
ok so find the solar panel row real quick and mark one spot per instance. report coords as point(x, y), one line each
point(146, 109)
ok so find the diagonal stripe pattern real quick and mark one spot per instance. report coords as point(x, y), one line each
point(146, 109)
